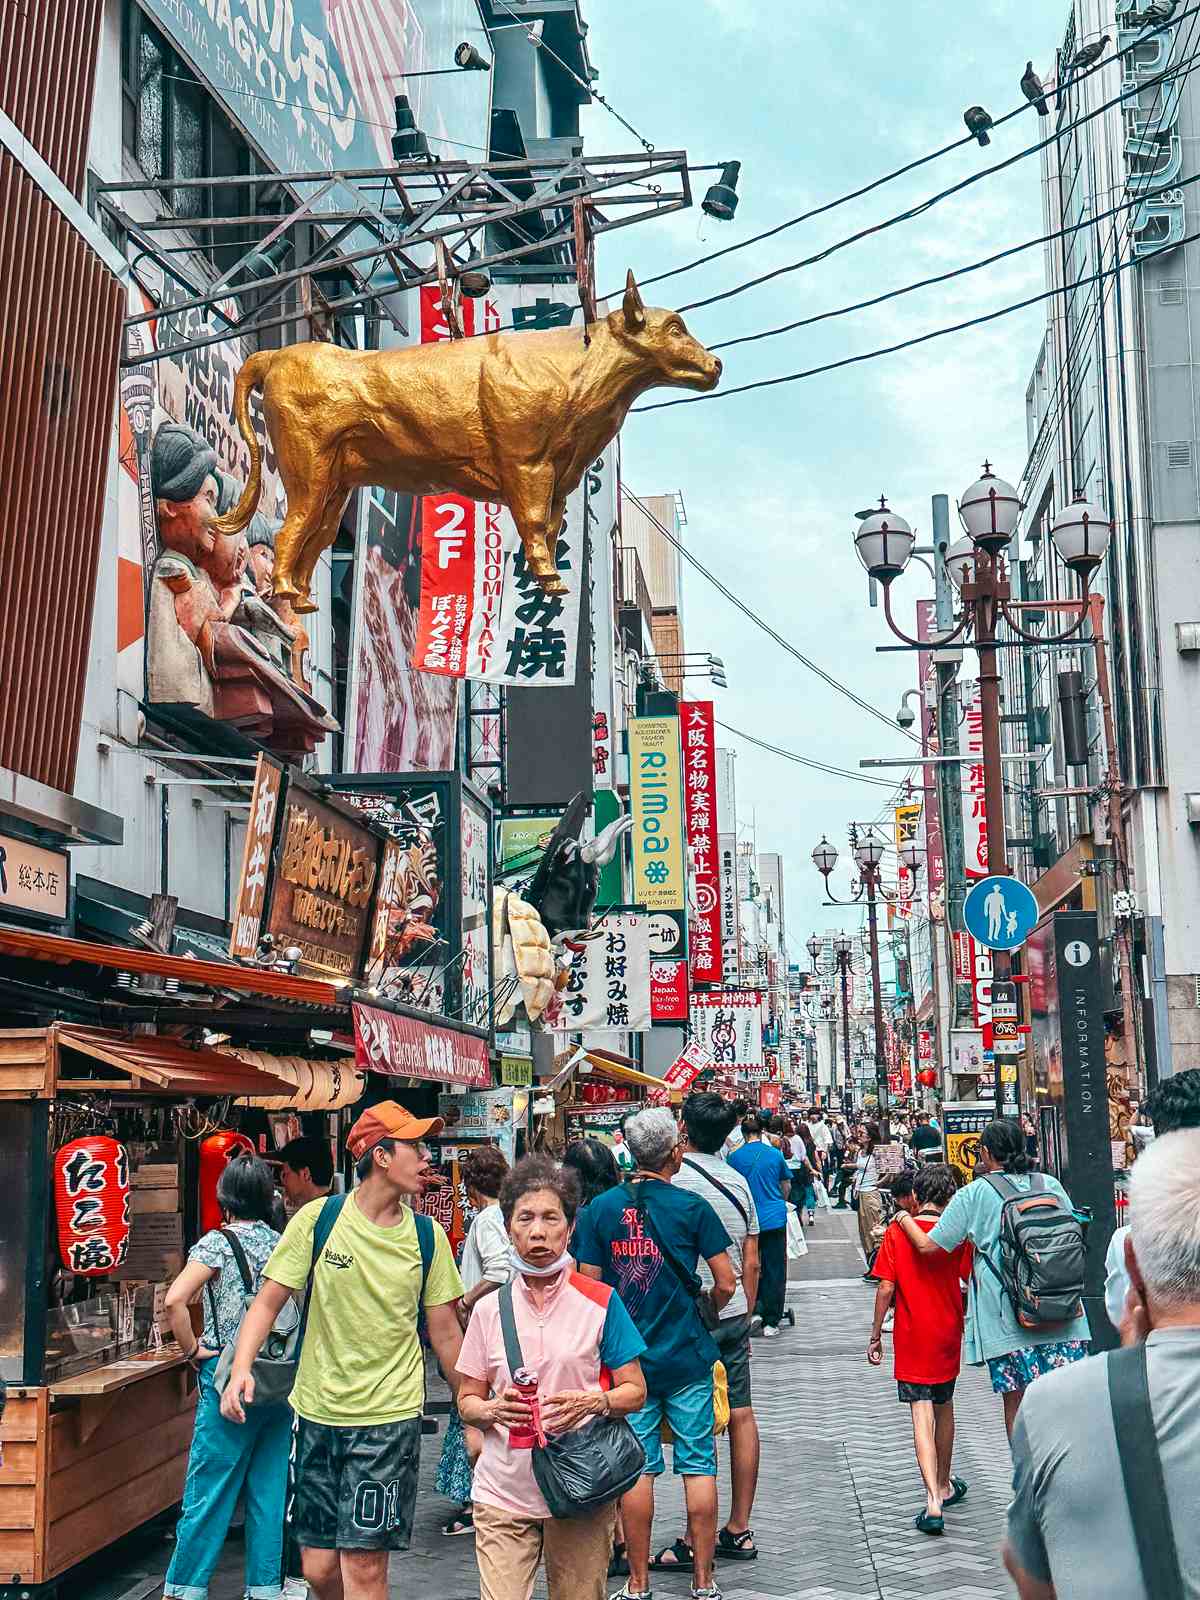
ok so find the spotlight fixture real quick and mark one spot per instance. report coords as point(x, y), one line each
point(474, 281)
point(408, 142)
point(721, 201)
point(469, 59)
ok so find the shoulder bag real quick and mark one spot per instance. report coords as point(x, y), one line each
point(691, 1283)
point(581, 1471)
point(1142, 1472)
point(717, 1184)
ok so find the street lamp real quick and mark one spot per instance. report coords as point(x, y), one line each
point(989, 510)
point(868, 853)
point(843, 949)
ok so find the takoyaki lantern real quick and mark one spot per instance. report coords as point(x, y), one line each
point(91, 1198)
point(215, 1152)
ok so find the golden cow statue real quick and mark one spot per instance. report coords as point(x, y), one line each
point(513, 418)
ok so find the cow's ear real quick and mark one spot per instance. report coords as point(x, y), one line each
point(635, 311)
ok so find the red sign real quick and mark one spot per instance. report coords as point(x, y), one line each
point(402, 1047)
point(700, 814)
point(770, 1096)
point(668, 991)
point(687, 1067)
point(924, 1045)
point(935, 854)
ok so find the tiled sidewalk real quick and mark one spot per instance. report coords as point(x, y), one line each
point(839, 1485)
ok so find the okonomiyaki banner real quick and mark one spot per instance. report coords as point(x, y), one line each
point(700, 814)
point(728, 1024)
point(609, 982)
point(483, 614)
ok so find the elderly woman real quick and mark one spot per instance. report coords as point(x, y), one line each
point(578, 1340)
point(228, 1460)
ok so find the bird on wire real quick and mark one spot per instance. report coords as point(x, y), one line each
point(978, 122)
point(1159, 11)
point(1034, 90)
point(1089, 55)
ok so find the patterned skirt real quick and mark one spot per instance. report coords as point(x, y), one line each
point(1018, 1369)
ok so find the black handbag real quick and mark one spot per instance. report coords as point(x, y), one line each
point(581, 1471)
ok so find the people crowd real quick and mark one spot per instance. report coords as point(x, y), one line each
point(606, 1302)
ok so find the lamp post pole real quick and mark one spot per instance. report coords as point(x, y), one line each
point(881, 1077)
point(843, 947)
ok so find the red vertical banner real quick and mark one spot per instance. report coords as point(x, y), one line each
point(935, 854)
point(700, 807)
point(975, 853)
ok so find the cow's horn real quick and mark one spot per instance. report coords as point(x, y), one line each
point(635, 311)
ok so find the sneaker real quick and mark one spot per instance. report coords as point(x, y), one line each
point(710, 1592)
point(768, 1333)
point(295, 1589)
point(626, 1593)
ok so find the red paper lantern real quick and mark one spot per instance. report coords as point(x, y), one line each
point(215, 1152)
point(927, 1076)
point(91, 1198)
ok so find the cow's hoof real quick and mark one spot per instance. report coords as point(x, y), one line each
point(302, 605)
point(553, 585)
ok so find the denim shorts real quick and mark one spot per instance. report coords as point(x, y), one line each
point(1017, 1370)
point(690, 1413)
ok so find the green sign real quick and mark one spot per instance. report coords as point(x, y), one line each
point(516, 1072)
point(611, 888)
point(523, 839)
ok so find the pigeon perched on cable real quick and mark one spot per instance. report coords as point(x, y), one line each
point(1159, 11)
point(1089, 55)
point(978, 122)
point(1034, 90)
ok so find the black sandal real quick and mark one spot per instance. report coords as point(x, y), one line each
point(461, 1522)
point(618, 1565)
point(924, 1523)
point(736, 1546)
point(681, 1550)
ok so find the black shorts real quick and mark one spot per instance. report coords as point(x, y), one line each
point(356, 1487)
point(733, 1341)
point(940, 1393)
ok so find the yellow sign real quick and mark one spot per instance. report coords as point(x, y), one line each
point(961, 1151)
point(33, 879)
point(907, 818)
point(656, 800)
point(1008, 1072)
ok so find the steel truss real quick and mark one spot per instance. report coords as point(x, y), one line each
point(429, 226)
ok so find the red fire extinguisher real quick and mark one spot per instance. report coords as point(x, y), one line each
point(215, 1152)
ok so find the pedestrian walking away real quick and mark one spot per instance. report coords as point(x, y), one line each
point(580, 1352)
point(869, 1196)
point(927, 1337)
point(766, 1171)
point(645, 1240)
point(360, 1384)
point(1106, 1453)
point(227, 1461)
point(707, 1120)
point(1015, 1354)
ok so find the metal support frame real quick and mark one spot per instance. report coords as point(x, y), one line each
point(436, 224)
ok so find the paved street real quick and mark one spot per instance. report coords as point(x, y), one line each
point(839, 1486)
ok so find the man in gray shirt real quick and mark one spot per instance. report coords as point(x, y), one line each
point(1070, 1529)
point(708, 1121)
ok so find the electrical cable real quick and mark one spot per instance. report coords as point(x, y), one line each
point(892, 349)
point(923, 206)
point(911, 166)
point(747, 611)
point(805, 761)
point(943, 277)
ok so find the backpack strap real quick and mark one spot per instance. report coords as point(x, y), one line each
point(508, 1327)
point(239, 1255)
point(1000, 1183)
point(1142, 1473)
point(327, 1217)
point(426, 1243)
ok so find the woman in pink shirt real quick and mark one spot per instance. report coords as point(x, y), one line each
point(581, 1344)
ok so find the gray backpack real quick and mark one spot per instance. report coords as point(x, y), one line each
point(1043, 1252)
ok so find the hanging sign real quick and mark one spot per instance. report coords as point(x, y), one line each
point(908, 818)
point(256, 858)
point(973, 790)
point(699, 804)
point(668, 991)
point(483, 614)
point(727, 1023)
point(659, 879)
point(687, 1067)
point(609, 982)
point(402, 1047)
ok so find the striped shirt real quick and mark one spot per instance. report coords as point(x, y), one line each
point(735, 1221)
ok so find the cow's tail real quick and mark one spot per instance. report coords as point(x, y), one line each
point(250, 377)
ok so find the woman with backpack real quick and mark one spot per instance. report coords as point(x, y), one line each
point(1010, 1335)
point(226, 1459)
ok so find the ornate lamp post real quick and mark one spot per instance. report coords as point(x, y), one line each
point(988, 510)
point(868, 855)
point(843, 949)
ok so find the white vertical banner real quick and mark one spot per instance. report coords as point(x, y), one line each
point(609, 985)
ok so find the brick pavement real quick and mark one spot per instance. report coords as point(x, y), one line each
point(839, 1485)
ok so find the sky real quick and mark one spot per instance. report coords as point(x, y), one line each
point(816, 101)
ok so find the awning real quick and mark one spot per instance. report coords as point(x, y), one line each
point(600, 1066)
point(150, 1063)
point(404, 1047)
point(192, 974)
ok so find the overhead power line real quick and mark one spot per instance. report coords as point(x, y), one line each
point(805, 761)
point(759, 622)
point(899, 172)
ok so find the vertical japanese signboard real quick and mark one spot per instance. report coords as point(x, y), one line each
point(935, 850)
point(975, 852)
point(908, 821)
point(659, 877)
point(609, 982)
point(256, 858)
point(727, 1023)
point(699, 789)
point(483, 614)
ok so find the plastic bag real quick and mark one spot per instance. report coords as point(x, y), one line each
point(797, 1244)
point(823, 1199)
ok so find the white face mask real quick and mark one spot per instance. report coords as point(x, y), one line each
point(519, 1264)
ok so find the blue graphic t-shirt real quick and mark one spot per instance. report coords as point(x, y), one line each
point(610, 1235)
point(763, 1168)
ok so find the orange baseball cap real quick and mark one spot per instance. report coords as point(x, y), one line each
point(389, 1120)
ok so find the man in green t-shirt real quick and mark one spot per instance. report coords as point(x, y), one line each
point(360, 1384)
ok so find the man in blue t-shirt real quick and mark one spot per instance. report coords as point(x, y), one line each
point(645, 1238)
point(765, 1170)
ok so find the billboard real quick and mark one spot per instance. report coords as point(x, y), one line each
point(656, 800)
point(699, 788)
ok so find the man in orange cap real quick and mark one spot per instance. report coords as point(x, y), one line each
point(373, 1264)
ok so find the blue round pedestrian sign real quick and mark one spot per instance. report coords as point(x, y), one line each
point(1000, 913)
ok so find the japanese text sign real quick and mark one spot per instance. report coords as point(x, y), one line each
point(700, 813)
point(659, 880)
point(256, 858)
point(727, 1023)
point(609, 982)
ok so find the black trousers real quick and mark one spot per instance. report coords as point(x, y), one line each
point(772, 1283)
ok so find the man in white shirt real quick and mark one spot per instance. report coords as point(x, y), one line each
point(822, 1138)
point(708, 1119)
